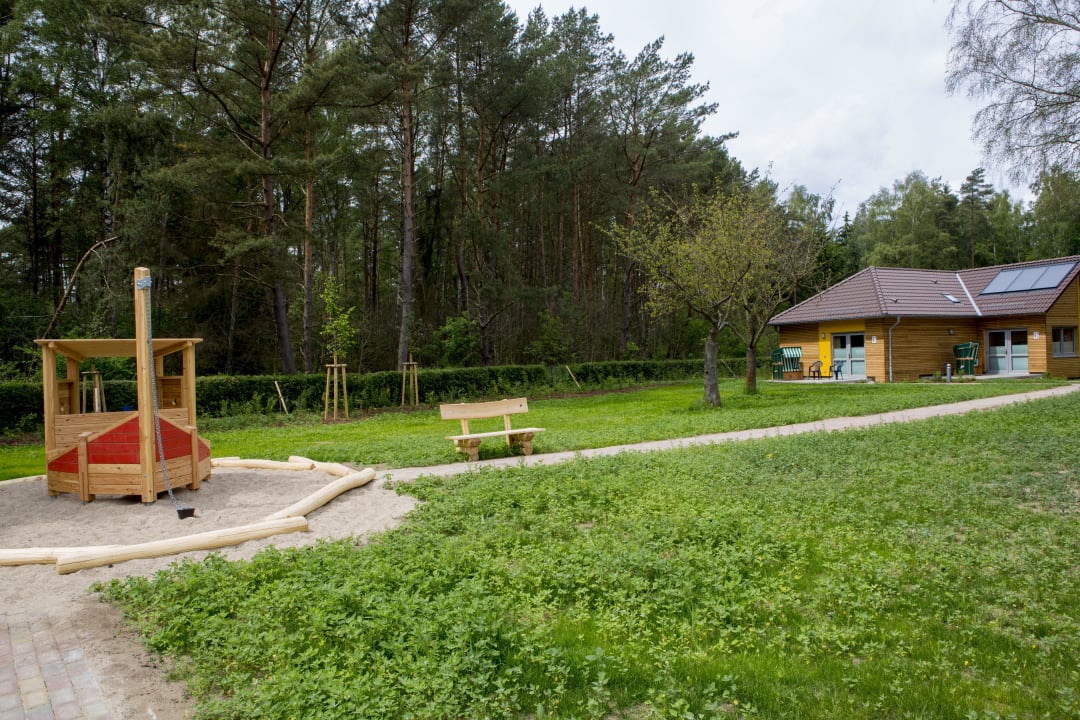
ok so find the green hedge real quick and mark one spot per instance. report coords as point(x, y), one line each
point(22, 407)
point(601, 374)
point(222, 395)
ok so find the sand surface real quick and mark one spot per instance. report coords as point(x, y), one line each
point(134, 681)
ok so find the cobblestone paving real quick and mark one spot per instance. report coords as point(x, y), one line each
point(43, 674)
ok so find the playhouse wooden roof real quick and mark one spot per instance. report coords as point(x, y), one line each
point(85, 348)
point(892, 292)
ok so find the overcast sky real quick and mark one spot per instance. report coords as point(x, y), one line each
point(842, 96)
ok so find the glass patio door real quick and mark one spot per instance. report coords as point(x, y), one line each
point(1007, 352)
point(850, 350)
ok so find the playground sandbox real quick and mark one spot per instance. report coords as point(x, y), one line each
point(133, 684)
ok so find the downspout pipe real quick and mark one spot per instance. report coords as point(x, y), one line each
point(898, 319)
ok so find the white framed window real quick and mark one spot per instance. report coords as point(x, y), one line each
point(1063, 341)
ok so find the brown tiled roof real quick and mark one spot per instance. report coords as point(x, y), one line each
point(892, 292)
point(1016, 303)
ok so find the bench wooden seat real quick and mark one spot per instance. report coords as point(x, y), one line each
point(469, 442)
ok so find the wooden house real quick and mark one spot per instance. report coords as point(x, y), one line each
point(904, 324)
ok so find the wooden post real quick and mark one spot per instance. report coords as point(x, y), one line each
point(144, 375)
point(345, 391)
point(71, 387)
point(335, 386)
point(334, 369)
point(196, 481)
point(415, 383)
point(48, 382)
point(84, 468)
point(281, 398)
point(188, 389)
point(408, 377)
point(92, 378)
point(326, 397)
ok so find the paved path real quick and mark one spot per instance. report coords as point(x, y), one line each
point(829, 425)
point(45, 676)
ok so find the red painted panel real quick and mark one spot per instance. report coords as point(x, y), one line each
point(68, 462)
point(176, 442)
point(120, 446)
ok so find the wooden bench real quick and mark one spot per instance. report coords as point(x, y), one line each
point(469, 443)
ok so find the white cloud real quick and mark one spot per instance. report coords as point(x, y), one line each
point(837, 95)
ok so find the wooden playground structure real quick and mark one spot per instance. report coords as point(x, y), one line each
point(116, 453)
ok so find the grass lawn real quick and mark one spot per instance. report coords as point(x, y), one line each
point(919, 570)
point(411, 439)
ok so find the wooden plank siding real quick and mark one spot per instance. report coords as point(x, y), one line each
point(802, 336)
point(877, 348)
point(922, 346)
point(912, 319)
point(1064, 313)
point(1038, 347)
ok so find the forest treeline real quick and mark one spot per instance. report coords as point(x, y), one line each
point(452, 173)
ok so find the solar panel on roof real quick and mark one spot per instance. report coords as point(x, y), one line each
point(1001, 282)
point(1055, 274)
point(1033, 278)
point(1027, 279)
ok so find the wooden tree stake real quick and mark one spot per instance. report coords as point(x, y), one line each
point(335, 369)
point(409, 376)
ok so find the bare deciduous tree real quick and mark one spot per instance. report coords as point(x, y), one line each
point(1020, 56)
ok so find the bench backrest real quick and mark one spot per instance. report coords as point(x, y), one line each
point(474, 411)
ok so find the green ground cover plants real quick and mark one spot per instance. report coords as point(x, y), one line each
point(919, 570)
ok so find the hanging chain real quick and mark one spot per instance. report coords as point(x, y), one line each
point(145, 284)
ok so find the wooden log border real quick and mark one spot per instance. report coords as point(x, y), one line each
point(290, 519)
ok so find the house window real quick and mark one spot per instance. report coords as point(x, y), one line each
point(1064, 341)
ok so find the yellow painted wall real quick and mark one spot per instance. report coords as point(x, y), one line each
point(828, 329)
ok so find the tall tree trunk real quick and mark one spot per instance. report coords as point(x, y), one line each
point(372, 244)
point(627, 305)
point(234, 305)
point(309, 222)
point(751, 369)
point(281, 311)
point(462, 275)
point(712, 386)
point(408, 239)
point(54, 225)
point(36, 239)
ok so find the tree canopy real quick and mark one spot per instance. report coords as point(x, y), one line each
point(731, 256)
point(458, 171)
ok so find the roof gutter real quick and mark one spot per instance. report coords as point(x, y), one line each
point(978, 312)
point(898, 319)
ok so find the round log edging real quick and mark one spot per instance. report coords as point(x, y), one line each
point(290, 519)
point(69, 560)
